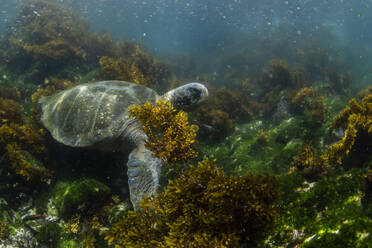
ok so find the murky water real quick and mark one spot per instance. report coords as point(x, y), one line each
point(279, 130)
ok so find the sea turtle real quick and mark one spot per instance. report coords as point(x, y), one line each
point(96, 115)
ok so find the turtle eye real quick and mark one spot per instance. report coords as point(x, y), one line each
point(195, 93)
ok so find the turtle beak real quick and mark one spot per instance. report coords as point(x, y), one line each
point(200, 93)
point(204, 92)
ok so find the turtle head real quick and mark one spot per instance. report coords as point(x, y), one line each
point(188, 96)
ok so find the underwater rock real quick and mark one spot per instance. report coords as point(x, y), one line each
point(222, 111)
point(4, 231)
point(20, 238)
point(83, 197)
point(324, 213)
point(12, 93)
point(68, 244)
point(308, 101)
point(214, 124)
point(282, 111)
point(253, 148)
point(367, 198)
point(49, 235)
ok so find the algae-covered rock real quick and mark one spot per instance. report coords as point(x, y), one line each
point(119, 210)
point(68, 244)
point(4, 230)
point(367, 198)
point(83, 197)
point(254, 148)
point(281, 160)
point(325, 213)
point(289, 129)
point(49, 234)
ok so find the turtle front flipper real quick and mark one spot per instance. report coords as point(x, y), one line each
point(143, 174)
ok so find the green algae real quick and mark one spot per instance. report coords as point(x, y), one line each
point(49, 234)
point(246, 151)
point(68, 244)
point(327, 213)
point(80, 197)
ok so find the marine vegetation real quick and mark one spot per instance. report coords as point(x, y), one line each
point(315, 61)
point(82, 204)
point(86, 229)
point(62, 196)
point(137, 67)
point(214, 123)
point(50, 86)
point(239, 106)
point(27, 166)
point(325, 65)
point(10, 93)
point(44, 39)
point(4, 230)
point(201, 208)
point(308, 101)
point(11, 112)
point(306, 158)
point(367, 199)
point(169, 135)
point(364, 93)
point(340, 82)
point(77, 231)
point(15, 127)
point(49, 234)
point(352, 149)
point(279, 81)
point(280, 75)
point(20, 140)
point(53, 51)
point(80, 197)
point(321, 214)
point(49, 39)
point(222, 110)
point(17, 142)
point(257, 147)
point(308, 163)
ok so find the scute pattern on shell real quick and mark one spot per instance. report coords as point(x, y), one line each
point(92, 113)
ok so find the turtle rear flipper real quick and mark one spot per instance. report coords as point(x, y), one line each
point(143, 174)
